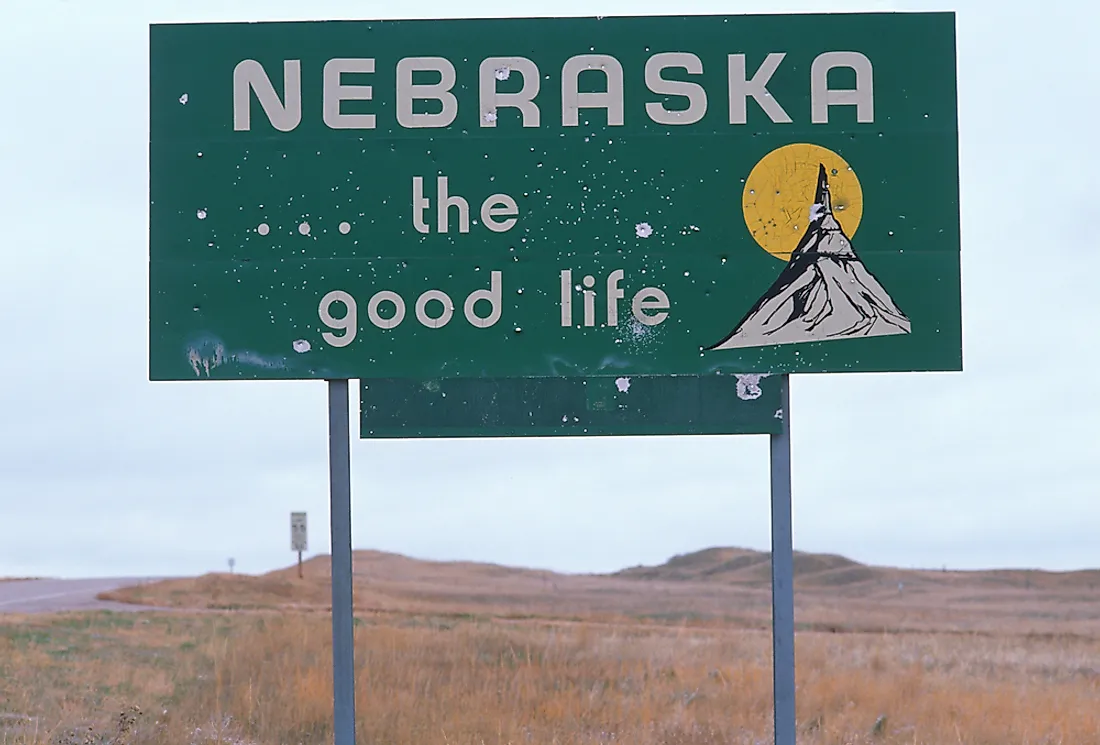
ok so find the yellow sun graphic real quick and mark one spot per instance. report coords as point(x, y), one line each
point(780, 191)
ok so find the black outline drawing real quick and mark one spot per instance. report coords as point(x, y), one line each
point(825, 292)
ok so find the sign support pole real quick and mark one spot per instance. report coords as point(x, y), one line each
point(343, 620)
point(783, 575)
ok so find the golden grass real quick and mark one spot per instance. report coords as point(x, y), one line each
point(472, 654)
point(266, 678)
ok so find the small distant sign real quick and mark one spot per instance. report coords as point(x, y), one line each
point(299, 540)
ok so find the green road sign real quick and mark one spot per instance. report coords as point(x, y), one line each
point(570, 406)
point(554, 197)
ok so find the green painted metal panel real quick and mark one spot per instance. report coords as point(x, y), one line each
point(570, 406)
point(754, 193)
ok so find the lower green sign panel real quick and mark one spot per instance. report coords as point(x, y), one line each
point(394, 408)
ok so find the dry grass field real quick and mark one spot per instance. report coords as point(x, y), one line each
point(473, 654)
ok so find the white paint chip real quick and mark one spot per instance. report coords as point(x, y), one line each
point(304, 228)
point(263, 228)
point(201, 214)
point(490, 116)
point(183, 99)
point(748, 386)
point(503, 73)
point(201, 363)
point(643, 230)
point(345, 228)
point(302, 346)
point(623, 384)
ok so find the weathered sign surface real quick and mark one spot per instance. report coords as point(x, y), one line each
point(570, 406)
point(568, 197)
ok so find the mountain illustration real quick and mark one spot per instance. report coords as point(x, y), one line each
point(825, 292)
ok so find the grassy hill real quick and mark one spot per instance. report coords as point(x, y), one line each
point(723, 586)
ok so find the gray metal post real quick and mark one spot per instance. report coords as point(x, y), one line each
point(343, 650)
point(783, 575)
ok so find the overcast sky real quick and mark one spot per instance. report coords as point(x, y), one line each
point(104, 473)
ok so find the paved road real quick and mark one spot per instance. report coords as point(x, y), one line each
point(56, 595)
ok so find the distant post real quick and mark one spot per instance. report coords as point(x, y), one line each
point(299, 537)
